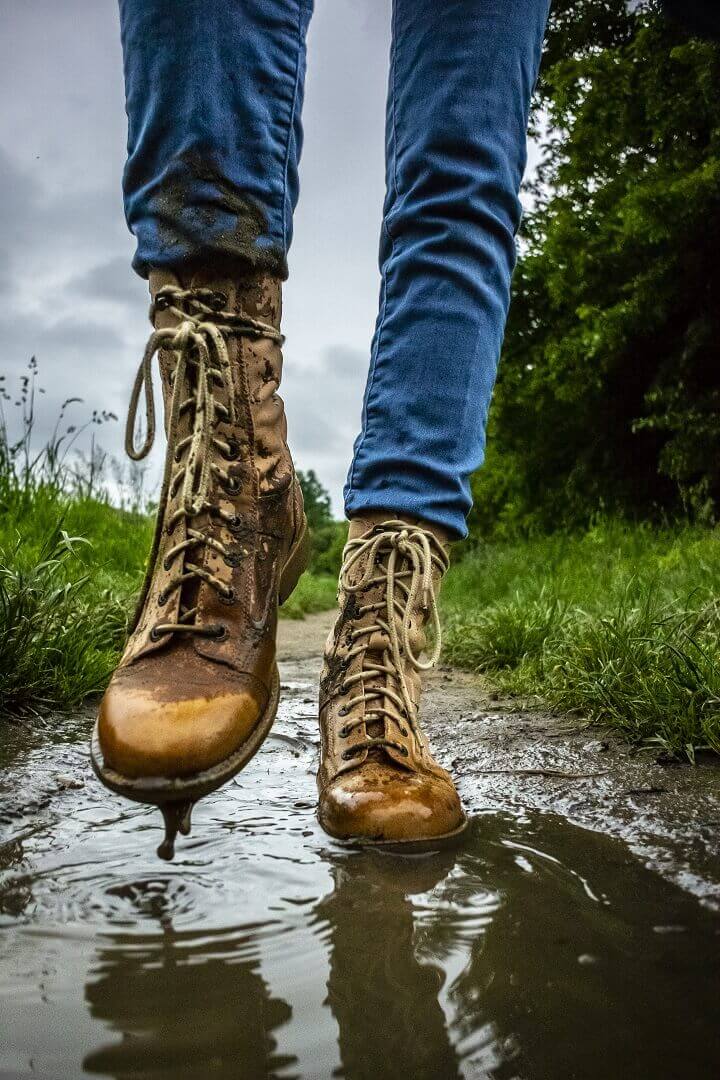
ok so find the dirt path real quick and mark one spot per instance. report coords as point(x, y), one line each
point(504, 757)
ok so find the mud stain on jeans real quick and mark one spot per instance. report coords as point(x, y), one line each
point(207, 220)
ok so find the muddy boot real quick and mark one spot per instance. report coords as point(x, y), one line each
point(197, 687)
point(378, 781)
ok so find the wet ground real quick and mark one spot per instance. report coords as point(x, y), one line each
point(574, 933)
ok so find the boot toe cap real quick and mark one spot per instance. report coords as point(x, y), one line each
point(142, 736)
point(389, 806)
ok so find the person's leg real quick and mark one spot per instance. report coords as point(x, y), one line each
point(213, 98)
point(461, 77)
point(214, 93)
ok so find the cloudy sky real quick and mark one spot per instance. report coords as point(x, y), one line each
point(68, 294)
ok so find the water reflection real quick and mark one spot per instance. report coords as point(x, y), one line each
point(528, 953)
point(536, 950)
point(181, 1011)
point(384, 998)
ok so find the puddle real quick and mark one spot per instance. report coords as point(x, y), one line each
point(536, 951)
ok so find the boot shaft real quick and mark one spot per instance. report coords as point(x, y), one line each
point(258, 360)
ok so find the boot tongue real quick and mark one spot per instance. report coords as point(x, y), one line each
point(165, 318)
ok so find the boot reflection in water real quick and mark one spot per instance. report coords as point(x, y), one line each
point(385, 1002)
point(214, 95)
point(178, 1011)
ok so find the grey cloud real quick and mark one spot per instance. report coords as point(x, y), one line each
point(111, 281)
point(344, 362)
point(323, 406)
point(75, 333)
point(19, 199)
point(5, 276)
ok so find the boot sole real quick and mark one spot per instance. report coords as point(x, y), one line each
point(404, 847)
point(159, 790)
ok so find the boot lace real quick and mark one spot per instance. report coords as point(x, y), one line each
point(401, 559)
point(202, 368)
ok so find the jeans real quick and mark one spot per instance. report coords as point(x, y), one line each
point(214, 95)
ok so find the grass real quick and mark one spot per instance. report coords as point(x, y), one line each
point(621, 624)
point(314, 592)
point(72, 561)
point(60, 626)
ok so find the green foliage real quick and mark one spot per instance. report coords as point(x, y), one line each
point(327, 548)
point(315, 498)
point(609, 387)
point(71, 562)
point(61, 628)
point(328, 536)
point(314, 592)
point(620, 622)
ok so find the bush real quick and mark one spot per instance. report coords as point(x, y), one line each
point(609, 388)
point(621, 623)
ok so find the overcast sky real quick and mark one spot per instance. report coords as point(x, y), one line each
point(68, 294)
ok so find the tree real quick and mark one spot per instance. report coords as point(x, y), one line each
point(609, 388)
point(328, 536)
point(316, 499)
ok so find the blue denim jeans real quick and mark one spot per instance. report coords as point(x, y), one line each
point(214, 95)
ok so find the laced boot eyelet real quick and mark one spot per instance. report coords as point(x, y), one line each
point(344, 732)
point(228, 597)
point(154, 634)
point(347, 755)
point(219, 632)
point(404, 732)
point(232, 485)
point(404, 751)
point(162, 302)
point(234, 558)
point(233, 451)
point(342, 711)
point(218, 301)
point(162, 598)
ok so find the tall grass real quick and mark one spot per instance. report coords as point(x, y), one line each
point(621, 623)
point(70, 560)
point(75, 532)
point(60, 632)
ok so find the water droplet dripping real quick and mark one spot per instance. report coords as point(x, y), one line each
point(176, 816)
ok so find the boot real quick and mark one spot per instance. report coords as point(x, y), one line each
point(196, 690)
point(378, 781)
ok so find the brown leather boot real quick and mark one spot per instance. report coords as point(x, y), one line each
point(378, 781)
point(197, 687)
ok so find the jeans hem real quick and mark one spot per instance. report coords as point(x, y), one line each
point(270, 261)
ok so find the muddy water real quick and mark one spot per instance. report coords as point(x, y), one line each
point(535, 951)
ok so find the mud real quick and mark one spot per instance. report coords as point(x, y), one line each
point(508, 758)
point(203, 220)
point(573, 933)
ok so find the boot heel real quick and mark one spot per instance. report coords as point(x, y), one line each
point(298, 561)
